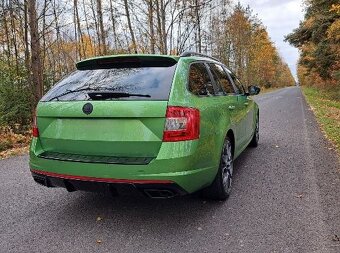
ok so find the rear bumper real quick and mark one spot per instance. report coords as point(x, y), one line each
point(150, 188)
point(179, 163)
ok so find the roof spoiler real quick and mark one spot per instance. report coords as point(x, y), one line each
point(126, 61)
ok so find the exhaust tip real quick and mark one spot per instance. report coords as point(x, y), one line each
point(42, 180)
point(69, 187)
point(159, 194)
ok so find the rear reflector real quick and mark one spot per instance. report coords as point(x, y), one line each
point(182, 124)
point(35, 131)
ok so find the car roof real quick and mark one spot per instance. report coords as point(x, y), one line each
point(202, 58)
point(207, 59)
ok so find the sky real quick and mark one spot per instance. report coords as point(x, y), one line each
point(280, 17)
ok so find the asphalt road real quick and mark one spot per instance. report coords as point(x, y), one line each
point(285, 198)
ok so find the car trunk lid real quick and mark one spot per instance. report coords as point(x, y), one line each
point(113, 129)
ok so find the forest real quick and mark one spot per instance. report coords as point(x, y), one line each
point(318, 39)
point(41, 40)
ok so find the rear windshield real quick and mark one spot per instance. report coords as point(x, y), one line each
point(140, 83)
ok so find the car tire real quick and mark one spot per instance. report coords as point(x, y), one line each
point(256, 136)
point(221, 186)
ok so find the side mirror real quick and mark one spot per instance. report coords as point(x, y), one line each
point(253, 90)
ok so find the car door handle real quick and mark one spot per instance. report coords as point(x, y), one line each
point(231, 107)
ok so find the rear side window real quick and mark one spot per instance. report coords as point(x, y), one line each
point(199, 80)
point(133, 83)
point(221, 78)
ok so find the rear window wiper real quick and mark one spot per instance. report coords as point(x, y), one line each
point(70, 92)
point(103, 95)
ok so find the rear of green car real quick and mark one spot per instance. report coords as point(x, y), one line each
point(129, 121)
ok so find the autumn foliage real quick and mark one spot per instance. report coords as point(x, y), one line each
point(318, 39)
point(245, 46)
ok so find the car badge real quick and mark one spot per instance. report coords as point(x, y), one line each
point(88, 108)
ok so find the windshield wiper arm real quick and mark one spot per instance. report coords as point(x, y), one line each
point(103, 95)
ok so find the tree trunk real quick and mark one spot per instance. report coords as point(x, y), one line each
point(86, 20)
point(80, 34)
point(14, 37)
point(159, 28)
point(164, 37)
point(101, 26)
point(78, 54)
point(43, 34)
point(134, 45)
point(7, 39)
point(37, 70)
point(115, 36)
point(198, 24)
point(151, 27)
point(57, 60)
point(97, 27)
point(27, 50)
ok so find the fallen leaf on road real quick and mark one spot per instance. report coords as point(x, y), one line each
point(99, 241)
point(99, 218)
point(335, 238)
point(299, 196)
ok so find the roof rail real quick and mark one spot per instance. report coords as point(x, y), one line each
point(190, 53)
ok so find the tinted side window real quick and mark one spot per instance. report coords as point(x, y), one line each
point(221, 78)
point(199, 80)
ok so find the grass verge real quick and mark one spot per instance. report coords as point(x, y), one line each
point(326, 107)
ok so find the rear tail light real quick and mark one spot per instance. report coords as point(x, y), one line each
point(35, 130)
point(182, 124)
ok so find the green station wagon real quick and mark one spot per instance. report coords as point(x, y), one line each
point(165, 125)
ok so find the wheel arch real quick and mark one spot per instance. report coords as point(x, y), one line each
point(256, 117)
point(231, 136)
point(257, 114)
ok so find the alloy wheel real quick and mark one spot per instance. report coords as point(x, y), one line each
point(257, 128)
point(227, 166)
